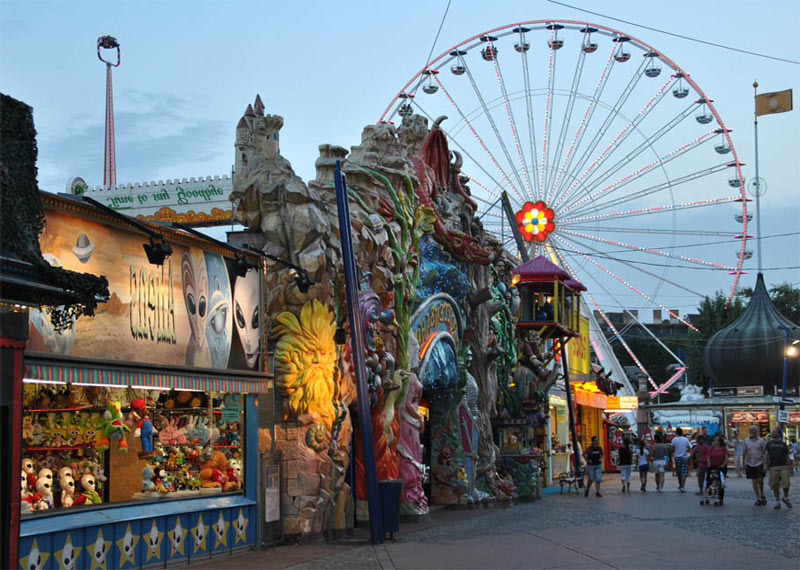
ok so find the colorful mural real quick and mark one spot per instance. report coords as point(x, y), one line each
point(180, 312)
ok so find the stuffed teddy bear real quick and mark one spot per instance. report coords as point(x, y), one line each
point(214, 473)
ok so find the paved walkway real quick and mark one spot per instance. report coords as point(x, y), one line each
point(624, 531)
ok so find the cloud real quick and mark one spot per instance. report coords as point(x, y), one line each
point(155, 133)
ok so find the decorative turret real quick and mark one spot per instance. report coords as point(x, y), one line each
point(257, 134)
point(749, 351)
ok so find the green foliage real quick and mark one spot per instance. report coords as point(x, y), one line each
point(22, 220)
point(785, 298)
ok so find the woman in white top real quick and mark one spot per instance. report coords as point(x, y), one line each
point(643, 459)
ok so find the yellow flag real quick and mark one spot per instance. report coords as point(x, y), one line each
point(777, 102)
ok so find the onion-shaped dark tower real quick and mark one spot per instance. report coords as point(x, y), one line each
point(749, 351)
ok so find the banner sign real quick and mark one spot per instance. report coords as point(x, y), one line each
point(749, 416)
point(578, 349)
point(202, 201)
point(193, 310)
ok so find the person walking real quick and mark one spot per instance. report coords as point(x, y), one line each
point(680, 456)
point(738, 454)
point(700, 457)
point(718, 459)
point(594, 466)
point(624, 463)
point(776, 460)
point(754, 450)
point(659, 456)
point(643, 460)
point(795, 457)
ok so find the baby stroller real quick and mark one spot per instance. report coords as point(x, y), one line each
point(715, 489)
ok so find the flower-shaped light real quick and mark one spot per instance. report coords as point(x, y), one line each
point(535, 221)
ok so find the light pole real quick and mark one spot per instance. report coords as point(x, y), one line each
point(789, 349)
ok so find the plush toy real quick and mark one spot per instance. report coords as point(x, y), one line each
point(38, 434)
point(147, 479)
point(171, 435)
point(30, 473)
point(89, 486)
point(235, 472)
point(66, 470)
point(144, 428)
point(214, 472)
point(27, 429)
point(113, 428)
point(199, 433)
point(44, 489)
point(47, 475)
point(67, 484)
point(25, 504)
point(232, 430)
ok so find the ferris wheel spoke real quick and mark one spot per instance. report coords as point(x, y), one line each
point(478, 164)
point(582, 128)
point(647, 250)
point(610, 324)
point(529, 112)
point(598, 206)
point(641, 293)
point(654, 209)
point(639, 172)
point(512, 124)
point(631, 127)
point(548, 115)
point(649, 143)
point(651, 231)
point(562, 136)
point(612, 114)
point(487, 112)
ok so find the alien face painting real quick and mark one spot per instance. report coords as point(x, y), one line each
point(219, 327)
point(246, 315)
point(195, 294)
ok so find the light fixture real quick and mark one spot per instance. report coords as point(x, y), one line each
point(515, 279)
point(792, 350)
point(157, 251)
point(36, 381)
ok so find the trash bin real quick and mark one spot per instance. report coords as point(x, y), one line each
point(389, 492)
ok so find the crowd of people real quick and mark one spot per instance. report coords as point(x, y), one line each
point(708, 456)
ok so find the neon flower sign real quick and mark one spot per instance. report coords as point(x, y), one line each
point(535, 221)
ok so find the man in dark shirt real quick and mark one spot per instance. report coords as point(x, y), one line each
point(776, 459)
point(594, 462)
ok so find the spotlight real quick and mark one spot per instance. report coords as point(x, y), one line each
point(243, 265)
point(157, 251)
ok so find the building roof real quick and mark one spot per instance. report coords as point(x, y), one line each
point(750, 350)
point(540, 267)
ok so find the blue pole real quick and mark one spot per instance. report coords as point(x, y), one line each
point(357, 340)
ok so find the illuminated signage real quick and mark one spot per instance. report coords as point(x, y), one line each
point(622, 403)
point(749, 416)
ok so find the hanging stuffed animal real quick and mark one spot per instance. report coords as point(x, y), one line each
point(113, 428)
point(144, 428)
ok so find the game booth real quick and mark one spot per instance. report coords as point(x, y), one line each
point(139, 425)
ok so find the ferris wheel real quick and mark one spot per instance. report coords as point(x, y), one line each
point(589, 146)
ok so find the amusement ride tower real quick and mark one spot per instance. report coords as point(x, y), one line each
point(109, 161)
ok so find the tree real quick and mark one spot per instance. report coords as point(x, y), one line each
point(785, 298)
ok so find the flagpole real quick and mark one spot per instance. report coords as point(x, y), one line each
point(757, 185)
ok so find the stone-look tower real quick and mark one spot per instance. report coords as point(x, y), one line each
point(257, 133)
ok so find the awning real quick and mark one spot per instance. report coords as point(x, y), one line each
point(59, 373)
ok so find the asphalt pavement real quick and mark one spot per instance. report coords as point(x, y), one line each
point(569, 531)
